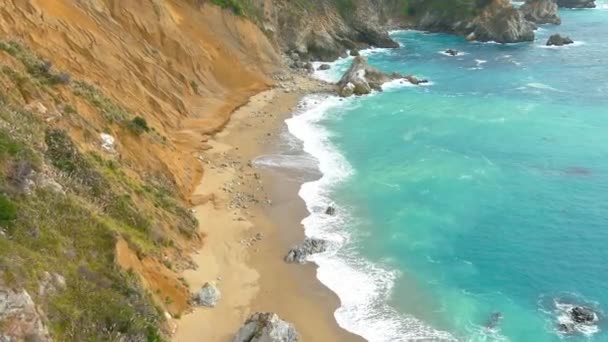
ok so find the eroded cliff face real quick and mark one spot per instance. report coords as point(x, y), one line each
point(104, 105)
point(183, 68)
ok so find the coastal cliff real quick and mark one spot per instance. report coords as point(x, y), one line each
point(105, 109)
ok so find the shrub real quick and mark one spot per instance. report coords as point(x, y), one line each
point(8, 210)
point(139, 125)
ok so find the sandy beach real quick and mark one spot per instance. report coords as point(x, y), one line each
point(250, 218)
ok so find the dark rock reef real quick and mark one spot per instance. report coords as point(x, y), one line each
point(558, 40)
point(541, 12)
point(576, 3)
point(266, 327)
point(310, 246)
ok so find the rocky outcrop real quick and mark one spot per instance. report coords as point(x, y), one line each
point(326, 30)
point(19, 318)
point(576, 3)
point(361, 78)
point(581, 314)
point(208, 295)
point(541, 12)
point(495, 20)
point(502, 23)
point(266, 327)
point(558, 40)
point(310, 246)
point(331, 211)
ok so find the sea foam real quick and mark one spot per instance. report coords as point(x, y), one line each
point(362, 286)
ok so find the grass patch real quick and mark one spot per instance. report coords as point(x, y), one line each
point(8, 210)
point(110, 111)
point(34, 65)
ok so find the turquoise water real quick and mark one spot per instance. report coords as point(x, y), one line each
point(485, 191)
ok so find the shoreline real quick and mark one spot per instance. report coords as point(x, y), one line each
point(250, 218)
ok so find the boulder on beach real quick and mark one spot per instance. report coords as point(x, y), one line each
point(541, 12)
point(310, 246)
point(576, 3)
point(558, 40)
point(324, 67)
point(331, 211)
point(354, 52)
point(266, 327)
point(208, 295)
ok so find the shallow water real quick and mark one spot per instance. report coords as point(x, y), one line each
point(484, 192)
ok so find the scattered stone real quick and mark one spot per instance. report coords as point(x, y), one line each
point(330, 211)
point(324, 67)
point(208, 295)
point(266, 327)
point(558, 40)
point(310, 246)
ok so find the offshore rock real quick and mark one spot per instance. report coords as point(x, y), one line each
point(361, 78)
point(541, 12)
point(576, 3)
point(558, 40)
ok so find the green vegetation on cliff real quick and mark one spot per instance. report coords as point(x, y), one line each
point(62, 211)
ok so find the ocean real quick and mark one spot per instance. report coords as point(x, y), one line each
point(473, 208)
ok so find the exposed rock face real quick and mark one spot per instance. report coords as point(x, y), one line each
point(310, 246)
point(558, 40)
point(495, 20)
point(541, 12)
point(266, 327)
point(324, 31)
point(19, 318)
point(208, 295)
point(502, 23)
point(576, 3)
point(361, 78)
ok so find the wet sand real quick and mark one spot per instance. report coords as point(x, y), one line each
point(251, 217)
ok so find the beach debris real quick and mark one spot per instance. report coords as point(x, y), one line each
point(324, 66)
point(451, 52)
point(331, 211)
point(310, 246)
point(208, 295)
point(266, 327)
point(558, 40)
